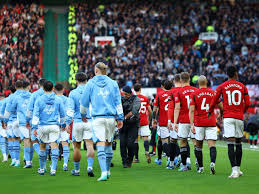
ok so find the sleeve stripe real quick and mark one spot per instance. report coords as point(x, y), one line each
point(83, 110)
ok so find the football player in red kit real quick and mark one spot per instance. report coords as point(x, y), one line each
point(235, 103)
point(161, 109)
point(173, 145)
point(145, 114)
point(203, 127)
point(181, 112)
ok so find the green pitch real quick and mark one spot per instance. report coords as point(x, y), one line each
point(141, 178)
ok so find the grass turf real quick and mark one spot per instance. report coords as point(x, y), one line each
point(141, 178)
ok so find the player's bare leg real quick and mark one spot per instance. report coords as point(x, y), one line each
point(76, 158)
point(199, 155)
point(90, 157)
point(213, 155)
point(146, 147)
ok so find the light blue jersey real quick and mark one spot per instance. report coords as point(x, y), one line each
point(19, 106)
point(10, 100)
point(48, 110)
point(33, 99)
point(104, 96)
point(64, 100)
point(2, 105)
point(73, 106)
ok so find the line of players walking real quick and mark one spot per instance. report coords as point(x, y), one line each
point(43, 119)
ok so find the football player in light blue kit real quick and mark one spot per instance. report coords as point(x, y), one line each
point(103, 94)
point(81, 130)
point(48, 117)
point(34, 97)
point(3, 135)
point(9, 132)
point(13, 125)
point(19, 105)
point(64, 136)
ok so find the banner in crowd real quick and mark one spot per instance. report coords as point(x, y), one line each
point(104, 40)
point(72, 39)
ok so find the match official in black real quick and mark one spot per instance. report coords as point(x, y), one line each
point(129, 132)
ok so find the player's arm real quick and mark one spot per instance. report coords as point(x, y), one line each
point(10, 108)
point(214, 100)
point(170, 112)
point(36, 117)
point(62, 114)
point(149, 112)
point(29, 111)
point(220, 106)
point(177, 110)
point(70, 109)
point(191, 111)
point(118, 105)
point(85, 101)
point(246, 99)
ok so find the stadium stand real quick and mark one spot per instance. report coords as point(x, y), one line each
point(21, 31)
point(155, 40)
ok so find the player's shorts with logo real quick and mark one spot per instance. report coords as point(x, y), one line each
point(49, 133)
point(210, 133)
point(233, 127)
point(184, 131)
point(103, 129)
point(82, 131)
point(144, 131)
point(24, 132)
point(163, 132)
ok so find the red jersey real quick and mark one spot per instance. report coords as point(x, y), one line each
point(184, 97)
point(235, 99)
point(201, 99)
point(161, 101)
point(143, 110)
point(173, 93)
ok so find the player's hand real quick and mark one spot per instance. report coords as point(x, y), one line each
point(68, 129)
point(84, 119)
point(4, 125)
point(193, 129)
point(209, 115)
point(35, 133)
point(176, 127)
point(170, 126)
point(154, 124)
point(28, 125)
point(119, 124)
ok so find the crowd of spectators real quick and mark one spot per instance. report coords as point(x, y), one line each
point(21, 31)
point(154, 40)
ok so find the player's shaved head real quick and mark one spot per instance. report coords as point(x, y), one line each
point(202, 80)
point(185, 77)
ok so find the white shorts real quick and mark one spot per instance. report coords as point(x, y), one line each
point(184, 131)
point(13, 129)
point(173, 134)
point(144, 131)
point(163, 132)
point(103, 129)
point(210, 133)
point(2, 132)
point(49, 133)
point(64, 136)
point(24, 132)
point(82, 131)
point(233, 127)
